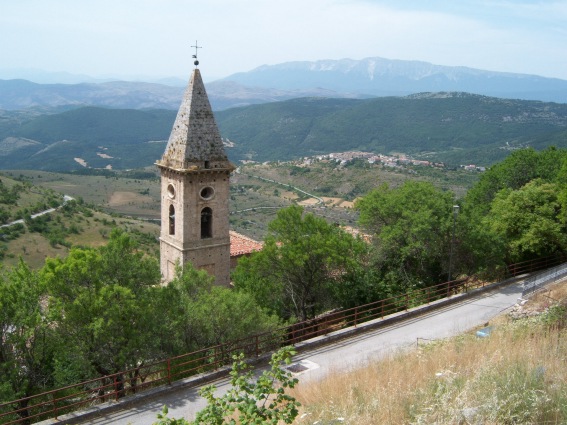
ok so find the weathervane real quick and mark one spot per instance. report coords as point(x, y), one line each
point(196, 46)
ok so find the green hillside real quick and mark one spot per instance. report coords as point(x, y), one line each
point(456, 128)
point(100, 125)
point(459, 128)
point(119, 138)
point(66, 224)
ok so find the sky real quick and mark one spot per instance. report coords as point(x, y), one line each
point(132, 39)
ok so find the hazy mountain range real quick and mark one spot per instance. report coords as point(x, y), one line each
point(386, 77)
point(344, 78)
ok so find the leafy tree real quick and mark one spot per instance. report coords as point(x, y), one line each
point(202, 315)
point(411, 226)
point(105, 303)
point(26, 343)
point(302, 259)
point(164, 420)
point(479, 250)
point(529, 220)
point(518, 169)
point(487, 240)
point(260, 401)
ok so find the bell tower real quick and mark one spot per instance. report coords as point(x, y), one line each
point(195, 190)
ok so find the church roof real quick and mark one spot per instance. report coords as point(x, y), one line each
point(242, 245)
point(195, 138)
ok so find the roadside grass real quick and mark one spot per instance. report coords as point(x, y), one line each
point(516, 375)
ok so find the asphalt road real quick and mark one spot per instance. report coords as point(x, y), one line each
point(344, 355)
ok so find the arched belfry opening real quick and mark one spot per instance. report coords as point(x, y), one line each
point(195, 174)
point(206, 223)
point(171, 220)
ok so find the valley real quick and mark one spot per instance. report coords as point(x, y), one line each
point(257, 192)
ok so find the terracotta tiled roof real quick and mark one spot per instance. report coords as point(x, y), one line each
point(241, 245)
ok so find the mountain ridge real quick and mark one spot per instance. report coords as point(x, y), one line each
point(456, 127)
point(345, 78)
point(379, 76)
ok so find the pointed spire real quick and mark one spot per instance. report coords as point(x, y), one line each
point(195, 142)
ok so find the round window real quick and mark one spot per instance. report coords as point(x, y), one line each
point(171, 191)
point(207, 192)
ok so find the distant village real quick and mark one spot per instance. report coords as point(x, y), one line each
point(398, 161)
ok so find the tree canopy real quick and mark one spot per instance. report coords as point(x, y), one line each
point(303, 258)
point(411, 228)
point(529, 220)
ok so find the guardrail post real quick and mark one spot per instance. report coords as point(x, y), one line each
point(55, 406)
point(169, 371)
point(355, 316)
point(115, 388)
point(382, 311)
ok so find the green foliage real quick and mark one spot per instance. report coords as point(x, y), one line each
point(56, 225)
point(254, 401)
point(459, 128)
point(516, 211)
point(9, 233)
point(479, 251)
point(9, 196)
point(26, 335)
point(521, 167)
point(164, 420)
point(528, 220)
point(411, 228)
point(78, 133)
point(104, 301)
point(302, 259)
point(204, 315)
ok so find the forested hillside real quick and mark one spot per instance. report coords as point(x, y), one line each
point(456, 128)
point(114, 138)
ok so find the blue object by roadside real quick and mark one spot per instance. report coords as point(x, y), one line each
point(484, 332)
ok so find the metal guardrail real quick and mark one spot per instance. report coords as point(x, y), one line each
point(536, 282)
point(60, 401)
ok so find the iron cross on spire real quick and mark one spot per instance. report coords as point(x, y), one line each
point(196, 46)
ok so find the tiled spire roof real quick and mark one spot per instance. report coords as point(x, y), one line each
point(195, 141)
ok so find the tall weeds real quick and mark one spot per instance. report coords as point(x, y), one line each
point(517, 375)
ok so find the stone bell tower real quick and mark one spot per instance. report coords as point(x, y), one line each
point(195, 190)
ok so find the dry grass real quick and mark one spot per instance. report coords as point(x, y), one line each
point(517, 375)
point(136, 197)
point(33, 248)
